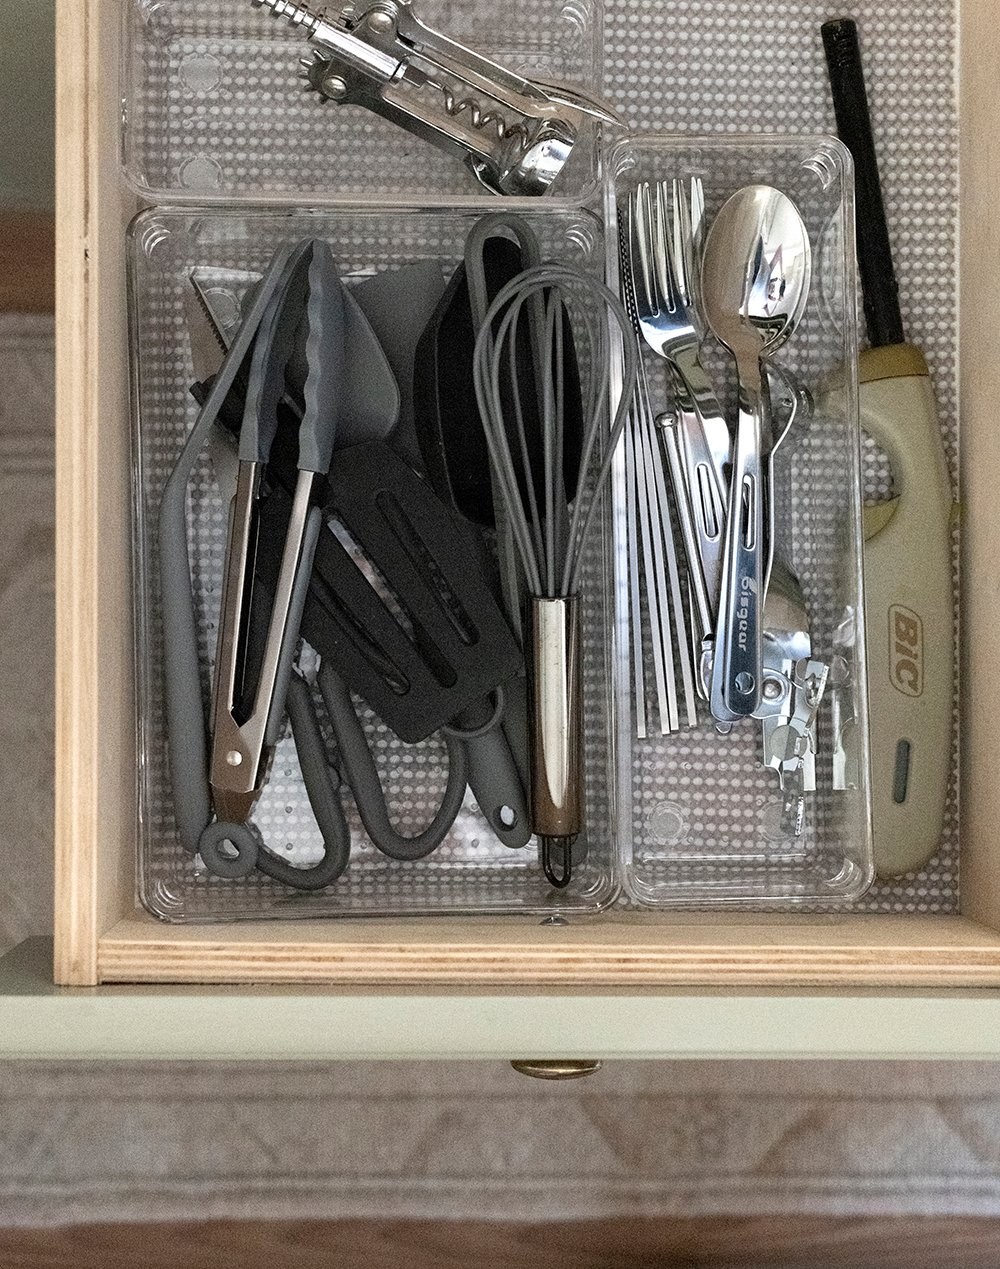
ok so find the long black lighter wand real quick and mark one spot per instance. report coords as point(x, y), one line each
point(850, 105)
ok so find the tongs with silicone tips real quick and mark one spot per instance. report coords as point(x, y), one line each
point(248, 704)
point(401, 680)
point(253, 680)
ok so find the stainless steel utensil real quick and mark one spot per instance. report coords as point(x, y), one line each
point(701, 423)
point(477, 754)
point(755, 279)
point(230, 849)
point(515, 134)
point(793, 681)
point(247, 708)
point(666, 328)
point(793, 686)
point(663, 247)
point(652, 553)
point(670, 330)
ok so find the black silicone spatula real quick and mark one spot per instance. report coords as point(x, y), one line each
point(397, 600)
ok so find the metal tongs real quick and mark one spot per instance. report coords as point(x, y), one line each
point(230, 847)
point(515, 134)
point(248, 705)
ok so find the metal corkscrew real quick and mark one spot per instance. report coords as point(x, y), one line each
point(515, 134)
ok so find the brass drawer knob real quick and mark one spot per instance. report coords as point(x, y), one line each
point(542, 1070)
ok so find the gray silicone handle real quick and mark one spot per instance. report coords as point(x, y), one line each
point(494, 778)
point(362, 776)
point(323, 788)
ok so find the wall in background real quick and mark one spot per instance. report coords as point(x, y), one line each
point(27, 104)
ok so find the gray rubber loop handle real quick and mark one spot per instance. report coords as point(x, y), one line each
point(515, 734)
point(241, 838)
point(186, 737)
point(515, 729)
point(504, 225)
point(497, 788)
point(494, 778)
point(323, 788)
point(467, 727)
point(359, 769)
point(496, 225)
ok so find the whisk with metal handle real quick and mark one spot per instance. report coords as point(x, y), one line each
point(549, 524)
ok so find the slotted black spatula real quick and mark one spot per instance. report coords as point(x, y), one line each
point(397, 600)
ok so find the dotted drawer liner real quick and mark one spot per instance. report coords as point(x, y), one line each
point(698, 67)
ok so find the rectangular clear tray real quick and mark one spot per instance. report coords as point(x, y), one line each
point(703, 815)
point(214, 108)
point(471, 872)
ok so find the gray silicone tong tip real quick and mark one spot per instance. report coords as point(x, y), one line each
point(187, 749)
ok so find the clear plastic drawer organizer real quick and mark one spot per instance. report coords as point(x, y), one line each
point(216, 109)
point(231, 164)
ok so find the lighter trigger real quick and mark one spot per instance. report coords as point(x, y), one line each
point(876, 516)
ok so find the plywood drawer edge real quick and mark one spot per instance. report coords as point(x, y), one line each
point(76, 701)
point(870, 952)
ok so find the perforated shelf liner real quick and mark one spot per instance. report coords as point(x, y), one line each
point(694, 68)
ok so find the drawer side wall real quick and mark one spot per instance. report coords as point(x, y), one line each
point(980, 462)
point(95, 776)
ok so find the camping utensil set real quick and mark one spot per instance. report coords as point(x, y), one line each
point(745, 647)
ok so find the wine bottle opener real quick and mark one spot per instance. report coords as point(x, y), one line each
point(515, 134)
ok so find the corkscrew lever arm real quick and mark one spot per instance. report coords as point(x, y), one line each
point(515, 134)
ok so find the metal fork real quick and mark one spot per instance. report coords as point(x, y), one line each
point(687, 238)
point(652, 554)
point(664, 234)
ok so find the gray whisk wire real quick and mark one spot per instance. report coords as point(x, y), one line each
point(551, 279)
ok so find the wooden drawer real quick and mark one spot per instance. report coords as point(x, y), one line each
point(794, 962)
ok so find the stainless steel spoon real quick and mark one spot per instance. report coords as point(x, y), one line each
point(755, 279)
